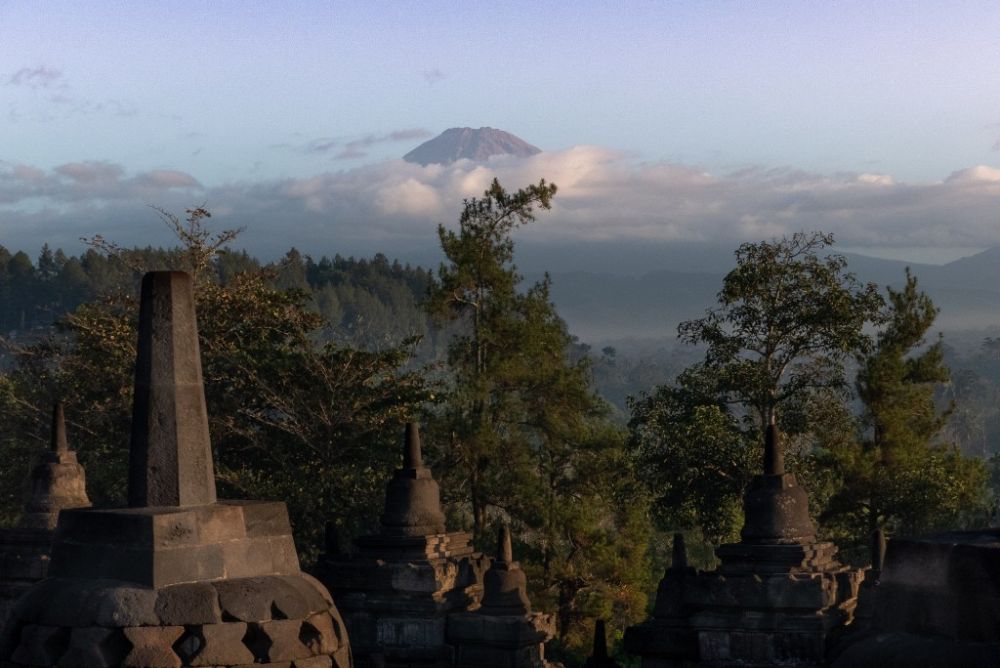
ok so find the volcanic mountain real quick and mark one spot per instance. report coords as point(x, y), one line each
point(458, 143)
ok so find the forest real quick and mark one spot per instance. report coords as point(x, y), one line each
point(594, 457)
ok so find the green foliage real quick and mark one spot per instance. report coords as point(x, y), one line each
point(901, 476)
point(787, 319)
point(522, 437)
point(693, 455)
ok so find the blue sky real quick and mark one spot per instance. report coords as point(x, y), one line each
point(879, 119)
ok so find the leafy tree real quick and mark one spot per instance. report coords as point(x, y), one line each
point(787, 319)
point(693, 455)
point(901, 476)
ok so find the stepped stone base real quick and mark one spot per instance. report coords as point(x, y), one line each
point(500, 641)
point(163, 546)
point(396, 593)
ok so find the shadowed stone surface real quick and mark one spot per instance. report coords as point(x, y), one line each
point(777, 598)
point(396, 592)
point(177, 579)
point(503, 632)
point(599, 656)
point(56, 482)
point(936, 602)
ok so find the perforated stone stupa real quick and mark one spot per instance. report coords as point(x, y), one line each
point(396, 592)
point(56, 482)
point(177, 578)
point(777, 599)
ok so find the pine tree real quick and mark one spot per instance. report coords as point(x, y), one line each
point(901, 476)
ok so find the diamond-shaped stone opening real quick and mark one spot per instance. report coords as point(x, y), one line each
point(311, 637)
point(189, 644)
point(257, 642)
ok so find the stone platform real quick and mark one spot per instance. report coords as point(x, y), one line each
point(936, 602)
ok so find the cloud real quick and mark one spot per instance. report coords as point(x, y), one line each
point(81, 185)
point(433, 76)
point(37, 77)
point(356, 148)
point(604, 196)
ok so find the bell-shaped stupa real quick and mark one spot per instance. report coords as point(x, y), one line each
point(503, 631)
point(397, 590)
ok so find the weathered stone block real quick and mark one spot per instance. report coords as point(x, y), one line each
point(127, 606)
point(188, 604)
point(278, 640)
point(222, 645)
point(152, 647)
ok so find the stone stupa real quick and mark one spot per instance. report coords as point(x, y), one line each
point(503, 632)
point(396, 592)
point(779, 596)
point(57, 482)
point(177, 578)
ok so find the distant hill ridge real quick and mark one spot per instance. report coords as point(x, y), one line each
point(470, 144)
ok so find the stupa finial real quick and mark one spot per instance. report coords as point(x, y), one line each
point(412, 458)
point(58, 436)
point(774, 463)
point(680, 559)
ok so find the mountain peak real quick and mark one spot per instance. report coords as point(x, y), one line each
point(471, 144)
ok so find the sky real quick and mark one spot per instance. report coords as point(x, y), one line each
point(660, 121)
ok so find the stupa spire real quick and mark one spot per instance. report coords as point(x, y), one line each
point(58, 438)
point(774, 461)
point(412, 457)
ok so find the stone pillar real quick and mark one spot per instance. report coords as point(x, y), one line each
point(397, 590)
point(503, 632)
point(56, 482)
point(177, 579)
point(779, 597)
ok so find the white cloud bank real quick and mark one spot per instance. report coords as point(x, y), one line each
point(603, 195)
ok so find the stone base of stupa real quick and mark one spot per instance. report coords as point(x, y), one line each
point(215, 585)
point(500, 641)
point(286, 620)
point(395, 595)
